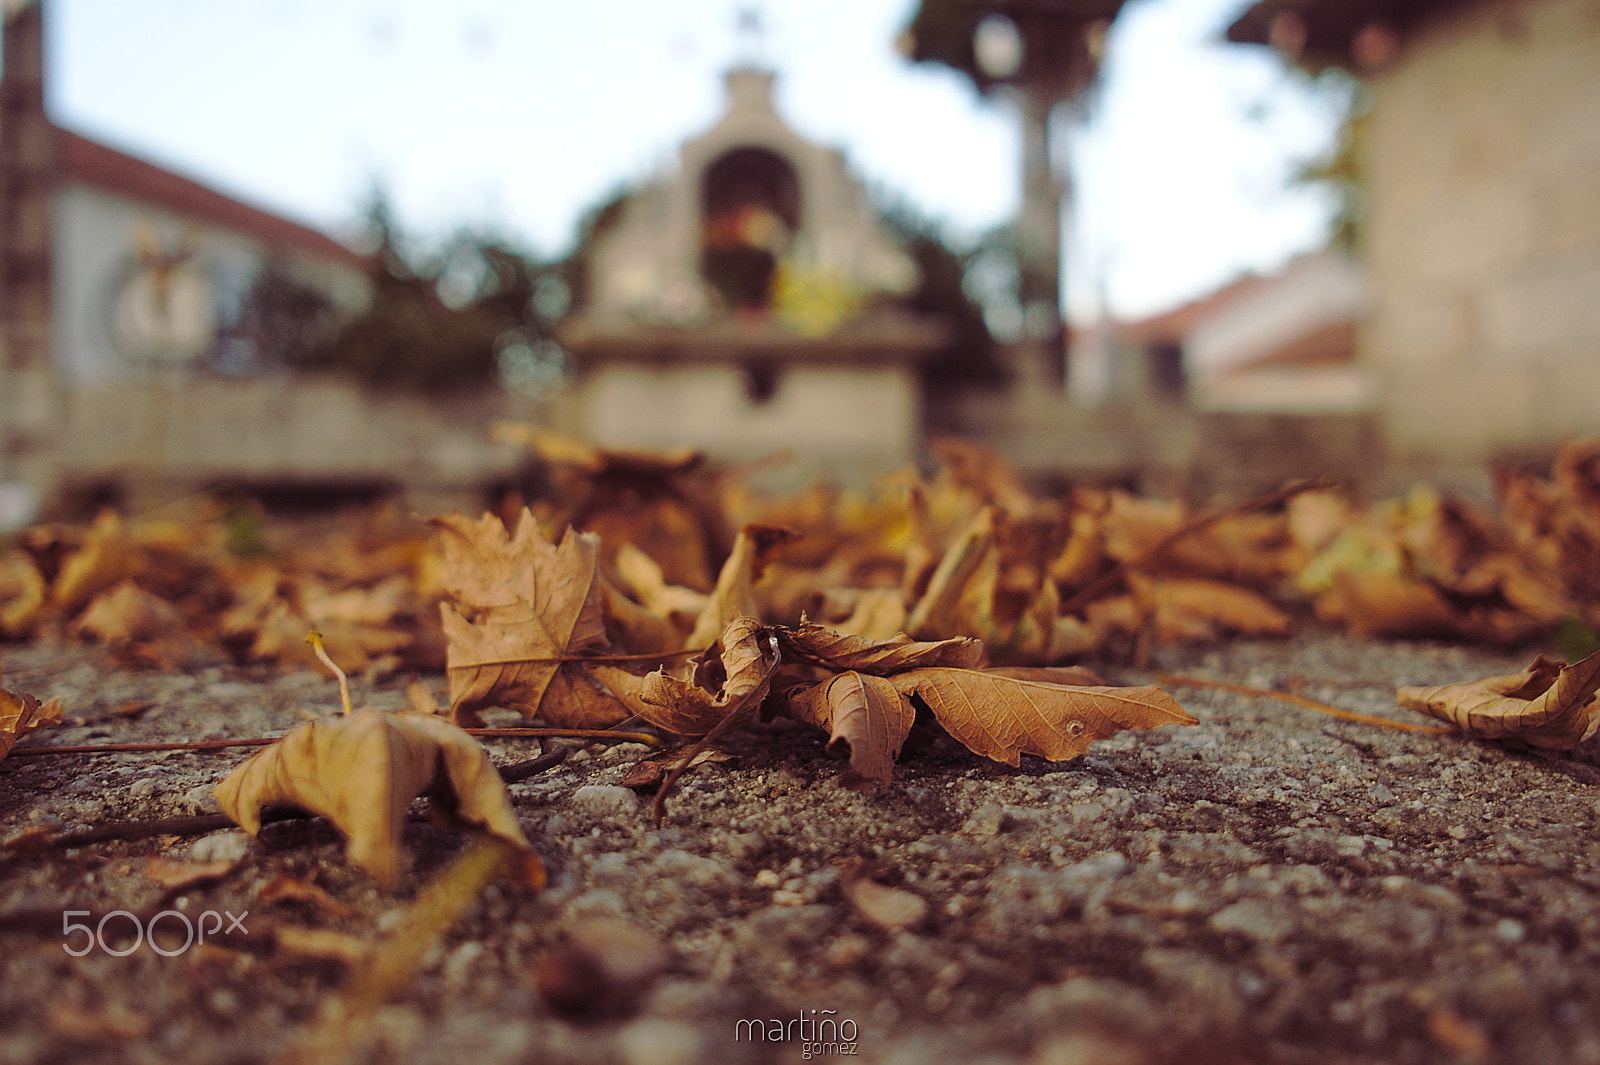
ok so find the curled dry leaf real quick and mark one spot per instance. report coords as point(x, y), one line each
point(530, 605)
point(170, 873)
point(22, 595)
point(1003, 718)
point(1549, 705)
point(20, 714)
point(362, 770)
point(866, 714)
point(743, 660)
point(839, 650)
point(734, 596)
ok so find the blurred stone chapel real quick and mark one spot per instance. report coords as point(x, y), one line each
point(751, 299)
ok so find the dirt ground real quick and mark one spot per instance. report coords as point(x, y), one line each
point(1270, 885)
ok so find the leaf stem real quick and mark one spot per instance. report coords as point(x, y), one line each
point(1177, 680)
point(314, 638)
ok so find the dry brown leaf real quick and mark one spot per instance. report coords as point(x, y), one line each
point(743, 660)
point(22, 595)
point(1003, 718)
point(1195, 608)
point(20, 714)
point(645, 579)
point(529, 604)
point(843, 651)
point(1549, 705)
point(636, 627)
point(935, 612)
point(322, 944)
point(105, 557)
point(864, 713)
point(734, 595)
point(362, 770)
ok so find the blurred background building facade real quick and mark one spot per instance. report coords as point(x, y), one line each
point(754, 297)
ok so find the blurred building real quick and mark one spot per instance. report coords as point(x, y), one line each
point(1479, 158)
point(146, 322)
point(1283, 342)
point(749, 301)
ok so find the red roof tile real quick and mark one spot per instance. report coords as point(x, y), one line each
point(83, 160)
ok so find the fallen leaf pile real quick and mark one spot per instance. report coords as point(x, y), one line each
point(968, 552)
point(169, 593)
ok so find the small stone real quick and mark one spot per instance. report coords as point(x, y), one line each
point(886, 907)
point(1510, 930)
point(603, 800)
point(766, 878)
point(1250, 917)
point(200, 799)
point(653, 1041)
point(987, 820)
point(227, 846)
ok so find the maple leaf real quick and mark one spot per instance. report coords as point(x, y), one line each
point(20, 714)
point(1549, 705)
point(362, 770)
point(1002, 717)
point(531, 606)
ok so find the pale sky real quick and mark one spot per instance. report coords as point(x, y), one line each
point(521, 115)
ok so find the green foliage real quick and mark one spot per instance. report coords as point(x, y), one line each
point(969, 358)
point(1340, 169)
point(440, 324)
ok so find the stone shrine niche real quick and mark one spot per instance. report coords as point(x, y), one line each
point(750, 301)
point(749, 215)
point(754, 222)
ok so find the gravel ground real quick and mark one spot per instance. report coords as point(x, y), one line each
point(1270, 885)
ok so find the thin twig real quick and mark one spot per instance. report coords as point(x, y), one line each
point(217, 745)
point(200, 824)
point(545, 660)
point(1091, 591)
point(1176, 680)
point(120, 748)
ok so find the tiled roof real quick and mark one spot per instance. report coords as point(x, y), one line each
point(82, 160)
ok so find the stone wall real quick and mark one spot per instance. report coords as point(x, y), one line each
point(847, 424)
point(153, 442)
point(1483, 171)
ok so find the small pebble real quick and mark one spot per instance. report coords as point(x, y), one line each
point(227, 846)
point(603, 800)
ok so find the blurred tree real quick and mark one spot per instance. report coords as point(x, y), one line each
point(476, 310)
point(943, 292)
point(1040, 53)
point(1338, 170)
